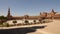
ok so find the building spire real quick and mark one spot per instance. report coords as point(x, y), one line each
point(52, 10)
point(9, 11)
point(9, 15)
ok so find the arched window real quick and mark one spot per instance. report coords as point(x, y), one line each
point(34, 20)
point(14, 22)
point(26, 21)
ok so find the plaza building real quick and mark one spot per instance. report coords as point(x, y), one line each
point(31, 19)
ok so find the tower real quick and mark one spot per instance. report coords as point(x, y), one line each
point(52, 10)
point(52, 14)
point(40, 13)
point(8, 12)
point(9, 15)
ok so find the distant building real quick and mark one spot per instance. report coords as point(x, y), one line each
point(50, 15)
point(9, 15)
point(22, 19)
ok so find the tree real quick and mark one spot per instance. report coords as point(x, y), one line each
point(14, 22)
point(2, 19)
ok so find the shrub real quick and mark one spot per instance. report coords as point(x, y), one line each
point(5, 25)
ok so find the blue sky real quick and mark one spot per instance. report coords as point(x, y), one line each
point(30, 7)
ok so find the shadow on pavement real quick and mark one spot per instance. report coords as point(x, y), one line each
point(21, 30)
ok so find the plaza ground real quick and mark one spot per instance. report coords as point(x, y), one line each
point(51, 28)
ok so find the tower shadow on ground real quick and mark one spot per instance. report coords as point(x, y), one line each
point(21, 30)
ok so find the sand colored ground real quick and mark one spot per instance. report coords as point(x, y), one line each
point(52, 28)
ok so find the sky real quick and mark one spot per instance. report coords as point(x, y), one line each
point(30, 7)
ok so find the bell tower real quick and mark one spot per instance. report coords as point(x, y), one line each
point(8, 12)
point(52, 14)
point(9, 15)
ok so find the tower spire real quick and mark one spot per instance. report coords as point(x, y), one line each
point(52, 10)
point(9, 11)
point(9, 15)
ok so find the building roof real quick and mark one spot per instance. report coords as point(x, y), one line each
point(22, 17)
point(57, 15)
